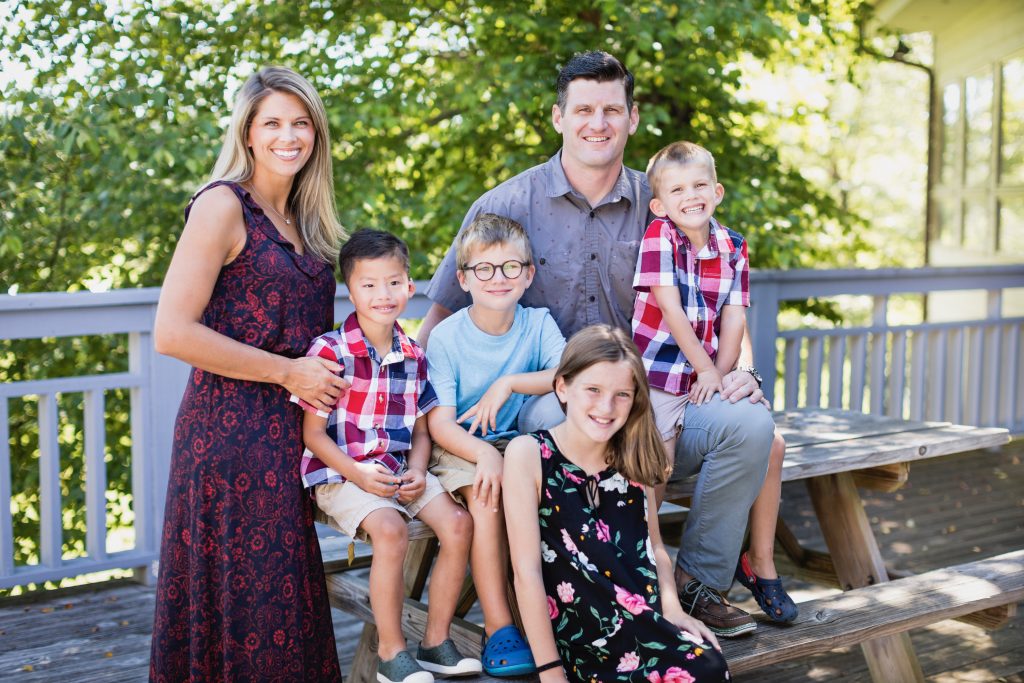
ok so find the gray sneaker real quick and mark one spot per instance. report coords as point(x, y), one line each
point(446, 660)
point(402, 669)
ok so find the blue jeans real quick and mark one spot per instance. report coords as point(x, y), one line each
point(727, 446)
point(540, 412)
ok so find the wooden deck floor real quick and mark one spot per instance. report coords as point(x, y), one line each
point(954, 509)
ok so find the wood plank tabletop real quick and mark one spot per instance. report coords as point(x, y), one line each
point(828, 441)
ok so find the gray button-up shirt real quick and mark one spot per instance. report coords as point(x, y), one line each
point(585, 256)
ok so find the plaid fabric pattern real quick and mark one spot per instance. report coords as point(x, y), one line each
point(375, 418)
point(707, 281)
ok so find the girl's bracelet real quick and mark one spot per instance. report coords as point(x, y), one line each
point(549, 665)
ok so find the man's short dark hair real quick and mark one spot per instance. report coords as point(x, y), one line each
point(594, 66)
point(371, 244)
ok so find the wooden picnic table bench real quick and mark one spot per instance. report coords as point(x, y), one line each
point(834, 452)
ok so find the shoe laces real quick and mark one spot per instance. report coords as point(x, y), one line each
point(696, 590)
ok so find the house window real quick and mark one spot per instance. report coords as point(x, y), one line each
point(978, 114)
point(980, 194)
point(1013, 123)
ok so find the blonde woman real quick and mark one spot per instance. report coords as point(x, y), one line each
point(240, 593)
point(593, 580)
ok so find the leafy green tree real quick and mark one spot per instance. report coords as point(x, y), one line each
point(430, 103)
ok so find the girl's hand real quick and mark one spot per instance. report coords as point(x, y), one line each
point(708, 382)
point(374, 478)
point(485, 412)
point(487, 483)
point(693, 626)
point(315, 380)
point(414, 483)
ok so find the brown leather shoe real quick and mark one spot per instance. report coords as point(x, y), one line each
point(711, 607)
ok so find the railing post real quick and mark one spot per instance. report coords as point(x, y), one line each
point(95, 475)
point(879, 318)
point(51, 538)
point(139, 345)
point(764, 328)
point(993, 355)
point(168, 376)
point(6, 523)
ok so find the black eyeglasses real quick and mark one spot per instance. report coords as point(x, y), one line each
point(485, 271)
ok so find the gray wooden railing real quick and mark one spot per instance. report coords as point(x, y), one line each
point(967, 371)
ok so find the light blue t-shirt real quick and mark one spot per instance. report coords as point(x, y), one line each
point(463, 361)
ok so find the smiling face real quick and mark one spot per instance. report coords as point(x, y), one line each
point(595, 124)
point(500, 293)
point(281, 135)
point(379, 288)
point(598, 399)
point(687, 194)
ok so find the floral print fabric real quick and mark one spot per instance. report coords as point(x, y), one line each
point(240, 591)
point(602, 584)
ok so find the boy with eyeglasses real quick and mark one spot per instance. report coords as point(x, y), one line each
point(484, 362)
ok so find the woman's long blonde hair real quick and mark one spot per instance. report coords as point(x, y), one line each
point(636, 450)
point(311, 199)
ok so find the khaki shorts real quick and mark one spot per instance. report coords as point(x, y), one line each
point(669, 411)
point(454, 472)
point(346, 505)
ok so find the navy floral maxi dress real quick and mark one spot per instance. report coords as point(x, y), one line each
point(240, 591)
point(602, 583)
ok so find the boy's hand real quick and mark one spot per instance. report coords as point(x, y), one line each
point(708, 382)
point(485, 412)
point(487, 484)
point(414, 483)
point(374, 478)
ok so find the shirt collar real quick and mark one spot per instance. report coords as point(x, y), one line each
point(558, 184)
point(718, 238)
point(357, 345)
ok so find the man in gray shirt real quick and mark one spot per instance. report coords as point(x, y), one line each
point(585, 213)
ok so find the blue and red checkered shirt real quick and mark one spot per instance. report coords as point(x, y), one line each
point(375, 418)
point(707, 281)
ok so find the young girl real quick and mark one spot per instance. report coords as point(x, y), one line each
point(592, 578)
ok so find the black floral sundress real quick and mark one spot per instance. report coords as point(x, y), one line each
point(602, 584)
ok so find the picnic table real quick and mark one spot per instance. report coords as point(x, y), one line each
point(834, 452)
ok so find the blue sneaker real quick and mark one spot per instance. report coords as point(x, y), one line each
point(506, 653)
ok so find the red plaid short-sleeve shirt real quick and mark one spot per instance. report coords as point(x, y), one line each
point(375, 418)
point(707, 281)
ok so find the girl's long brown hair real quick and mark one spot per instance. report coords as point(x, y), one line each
point(636, 450)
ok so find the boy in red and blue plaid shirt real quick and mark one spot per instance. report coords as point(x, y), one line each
point(366, 459)
point(692, 282)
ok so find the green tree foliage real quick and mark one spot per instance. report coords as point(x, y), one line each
point(430, 103)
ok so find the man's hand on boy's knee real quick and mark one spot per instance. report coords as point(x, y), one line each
point(414, 483)
point(485, 411)
point(741, 384)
